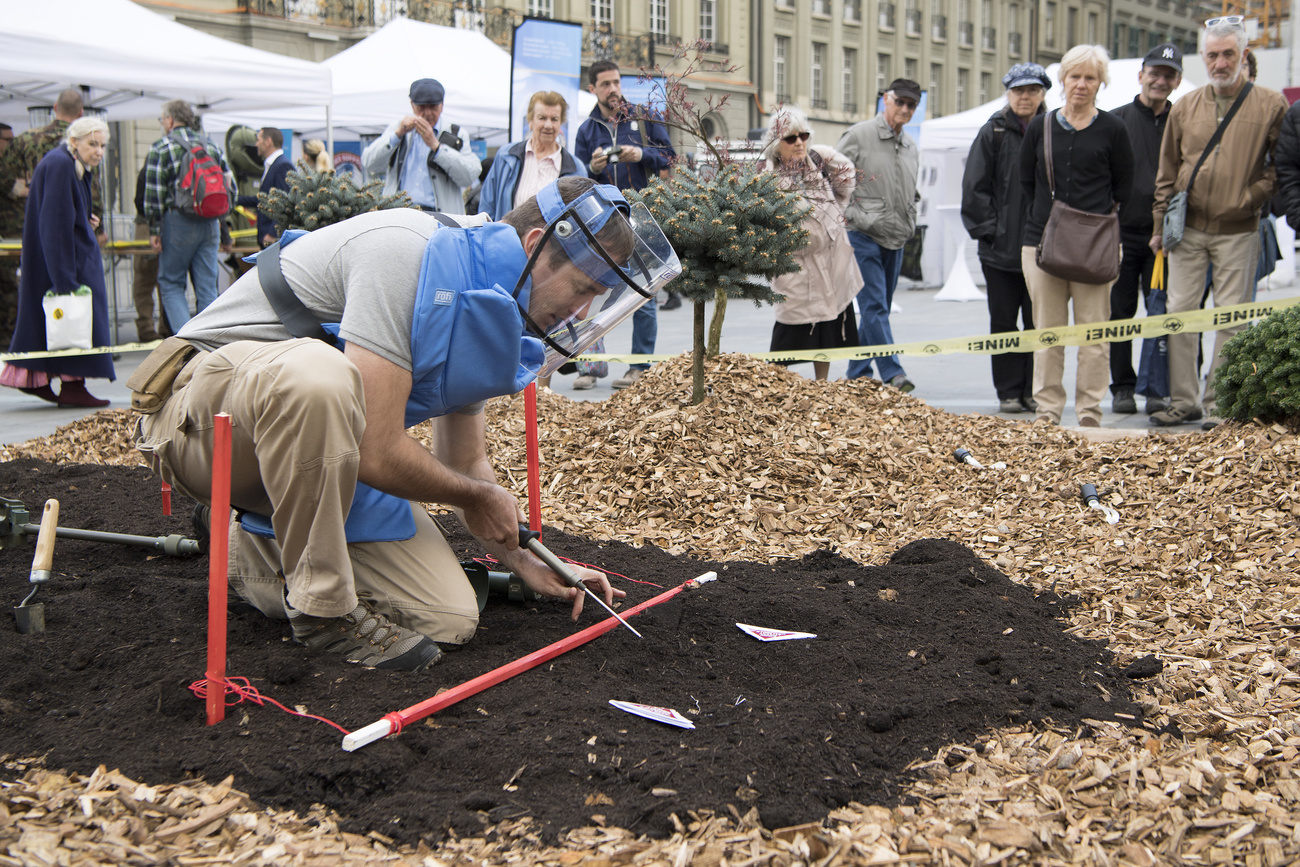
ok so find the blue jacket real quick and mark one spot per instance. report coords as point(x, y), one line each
point(596, 132)
point(275, 178)
point(498, 194)
point(60, 253)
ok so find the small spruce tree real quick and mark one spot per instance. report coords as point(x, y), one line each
point(317, 199)
point(1259, 376)
point(729, 222)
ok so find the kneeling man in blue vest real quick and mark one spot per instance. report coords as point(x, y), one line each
point(339, 341)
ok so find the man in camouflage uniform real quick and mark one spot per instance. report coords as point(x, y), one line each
point(16, 166)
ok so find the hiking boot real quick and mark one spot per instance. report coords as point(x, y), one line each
point(1157, 404)
point(1122, 402)
point(582, 383)
point(1011, 404)
point(366, 637)
point(632, 377)
point(44, 392)
point(674, 301)
point(1211, 422)
point(1174, 416)
point(902, 383)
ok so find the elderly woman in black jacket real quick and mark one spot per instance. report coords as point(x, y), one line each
point(993, 213)
point(1093, 165)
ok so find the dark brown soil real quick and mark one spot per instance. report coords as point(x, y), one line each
point(794, 728)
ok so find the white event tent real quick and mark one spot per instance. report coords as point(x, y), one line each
point(372, 82)
point(132, 60)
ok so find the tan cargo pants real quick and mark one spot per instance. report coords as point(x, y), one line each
point(297, 415)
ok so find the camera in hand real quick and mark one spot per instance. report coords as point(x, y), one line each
point(611, 153)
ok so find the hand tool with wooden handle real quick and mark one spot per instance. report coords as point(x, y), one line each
point(31, 617)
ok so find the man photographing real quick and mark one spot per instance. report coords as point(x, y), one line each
point(431, 321)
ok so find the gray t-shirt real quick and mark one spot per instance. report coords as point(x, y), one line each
point(362, 273)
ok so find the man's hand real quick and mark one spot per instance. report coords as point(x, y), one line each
point(228, 247)
point(630, 154)
point(425, 129)
point(1157, 243)
point(542, 579)
point(155, 243)
point(94, 223)
point(599, 160)
point(406, 124)
point(495, 516)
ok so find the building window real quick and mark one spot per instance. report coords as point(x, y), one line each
point(986, 87)
point(602, 13)
point(913, 19)
point(1092, 28)
point(938, 21)
point(963, 87)
point(1013, 30)
point(910, 69)
point(780, 56)
point(1134, 42)
point(709, 21)
point(988, 33)
point(882, 72)
point(853, 11)
point(821, 7)
point(784, 4)
point(965, 27)
point(1049, 25)
point(849, 80)
point(1117, 40)
point(815, 85)
point(1071, 26)
point(886, 16)
point(659, 21)
point(541, 8)
point(936, 76)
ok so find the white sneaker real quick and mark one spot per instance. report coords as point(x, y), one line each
point(582, 383)
point(628, 379)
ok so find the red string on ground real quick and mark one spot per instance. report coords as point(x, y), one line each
point(241, 689)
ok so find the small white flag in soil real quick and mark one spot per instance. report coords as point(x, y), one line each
point(762, 633)
point(659, 714)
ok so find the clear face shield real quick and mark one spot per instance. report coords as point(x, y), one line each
point(630, 261)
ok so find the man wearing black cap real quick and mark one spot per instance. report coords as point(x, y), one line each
point(414, 154)
point(882, 217)
point(1145, 116)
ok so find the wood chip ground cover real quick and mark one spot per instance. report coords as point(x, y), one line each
point(1199, 572)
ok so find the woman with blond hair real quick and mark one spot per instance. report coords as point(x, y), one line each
point(817, 312)
point(1092, 167)
point(60, 254)
point(315, 157)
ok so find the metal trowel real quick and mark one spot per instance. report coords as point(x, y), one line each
point(31, 616)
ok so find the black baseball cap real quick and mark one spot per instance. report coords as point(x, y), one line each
point(1166, 54)
point(905, 87)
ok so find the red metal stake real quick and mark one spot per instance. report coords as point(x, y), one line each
point(167, 499)
point(534, 459)
point(395, 722)
point(218, 554)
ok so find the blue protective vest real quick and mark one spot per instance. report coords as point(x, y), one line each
point(468, 343)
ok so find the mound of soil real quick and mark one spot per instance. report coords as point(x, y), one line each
point(933, 648)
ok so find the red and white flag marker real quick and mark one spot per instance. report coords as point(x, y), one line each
point(763, 633)
point(658, 714)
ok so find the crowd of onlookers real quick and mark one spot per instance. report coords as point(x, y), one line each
point(1226, 153)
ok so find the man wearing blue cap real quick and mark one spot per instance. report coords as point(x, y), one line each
point(340, 341)
point(1145, 116)
point(432, 164)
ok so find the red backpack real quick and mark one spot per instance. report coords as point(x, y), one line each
point(200, 188)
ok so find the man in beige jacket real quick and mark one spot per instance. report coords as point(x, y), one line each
point(1222, 227)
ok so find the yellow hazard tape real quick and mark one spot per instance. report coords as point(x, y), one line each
point(985, 344)
point(143, 243)
point(1028, 341)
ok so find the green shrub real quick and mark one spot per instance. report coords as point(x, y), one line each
point(318, 199)
point(1259, 377)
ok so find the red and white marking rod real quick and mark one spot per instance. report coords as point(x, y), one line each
point(395, 722)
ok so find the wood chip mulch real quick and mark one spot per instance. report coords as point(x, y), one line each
point(1199, 573)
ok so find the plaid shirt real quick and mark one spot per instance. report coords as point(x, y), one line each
point(160, 169)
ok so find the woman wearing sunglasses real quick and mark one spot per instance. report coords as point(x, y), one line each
point(817, 312)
